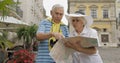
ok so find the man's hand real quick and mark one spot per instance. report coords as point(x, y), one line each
point(57, 35)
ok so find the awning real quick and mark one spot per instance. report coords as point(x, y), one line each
point(11, 22)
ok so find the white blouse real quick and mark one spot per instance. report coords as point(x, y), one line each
point(79, 57)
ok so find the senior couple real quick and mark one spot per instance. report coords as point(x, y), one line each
point(52, 29)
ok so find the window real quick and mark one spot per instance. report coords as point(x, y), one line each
point(19, 11)
point(94, 13)
point(81, 9)
point(105, 13)
point(104, 37)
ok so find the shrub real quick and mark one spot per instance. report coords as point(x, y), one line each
point(22, 56)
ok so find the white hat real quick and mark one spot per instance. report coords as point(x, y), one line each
point(89, 19)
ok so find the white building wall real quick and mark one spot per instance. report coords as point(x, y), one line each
point(32, 11)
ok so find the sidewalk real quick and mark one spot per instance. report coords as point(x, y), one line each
point(109, 54)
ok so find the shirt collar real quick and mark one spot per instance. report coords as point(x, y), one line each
point(50, 19)
point(85, 30)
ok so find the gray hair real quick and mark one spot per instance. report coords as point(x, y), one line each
point(57, 6)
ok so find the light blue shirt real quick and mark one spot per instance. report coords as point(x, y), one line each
point(43, 50)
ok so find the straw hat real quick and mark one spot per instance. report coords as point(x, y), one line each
point(89, 19)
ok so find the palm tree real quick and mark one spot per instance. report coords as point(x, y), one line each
point(28, 35)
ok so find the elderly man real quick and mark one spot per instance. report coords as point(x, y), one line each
point(50, 30)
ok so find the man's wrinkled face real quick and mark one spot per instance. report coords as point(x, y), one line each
point(57, 14)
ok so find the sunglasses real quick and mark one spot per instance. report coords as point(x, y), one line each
point(75, 20)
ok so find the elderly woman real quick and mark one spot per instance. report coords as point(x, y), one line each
point(81, 24)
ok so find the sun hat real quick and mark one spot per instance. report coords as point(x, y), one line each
point(89, 19)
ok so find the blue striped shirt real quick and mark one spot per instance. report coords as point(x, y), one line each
point(43, 50)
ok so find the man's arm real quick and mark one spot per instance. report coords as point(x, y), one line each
point(43, 36)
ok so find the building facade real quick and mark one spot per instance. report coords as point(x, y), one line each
point(104, 14)
point(32, 10)
point(118, 19)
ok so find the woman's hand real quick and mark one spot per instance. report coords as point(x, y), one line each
point(73, 44)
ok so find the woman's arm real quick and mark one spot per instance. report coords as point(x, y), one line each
point(90, 50)
point(76, 46)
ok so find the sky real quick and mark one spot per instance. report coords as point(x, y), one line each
point(49, 3)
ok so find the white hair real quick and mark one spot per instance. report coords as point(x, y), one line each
point(57, 6)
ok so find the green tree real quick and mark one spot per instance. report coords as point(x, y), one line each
point(7, 7)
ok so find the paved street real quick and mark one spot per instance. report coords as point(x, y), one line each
point(110, 55)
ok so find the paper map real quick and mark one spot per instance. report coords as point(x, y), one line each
point(62, 54)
